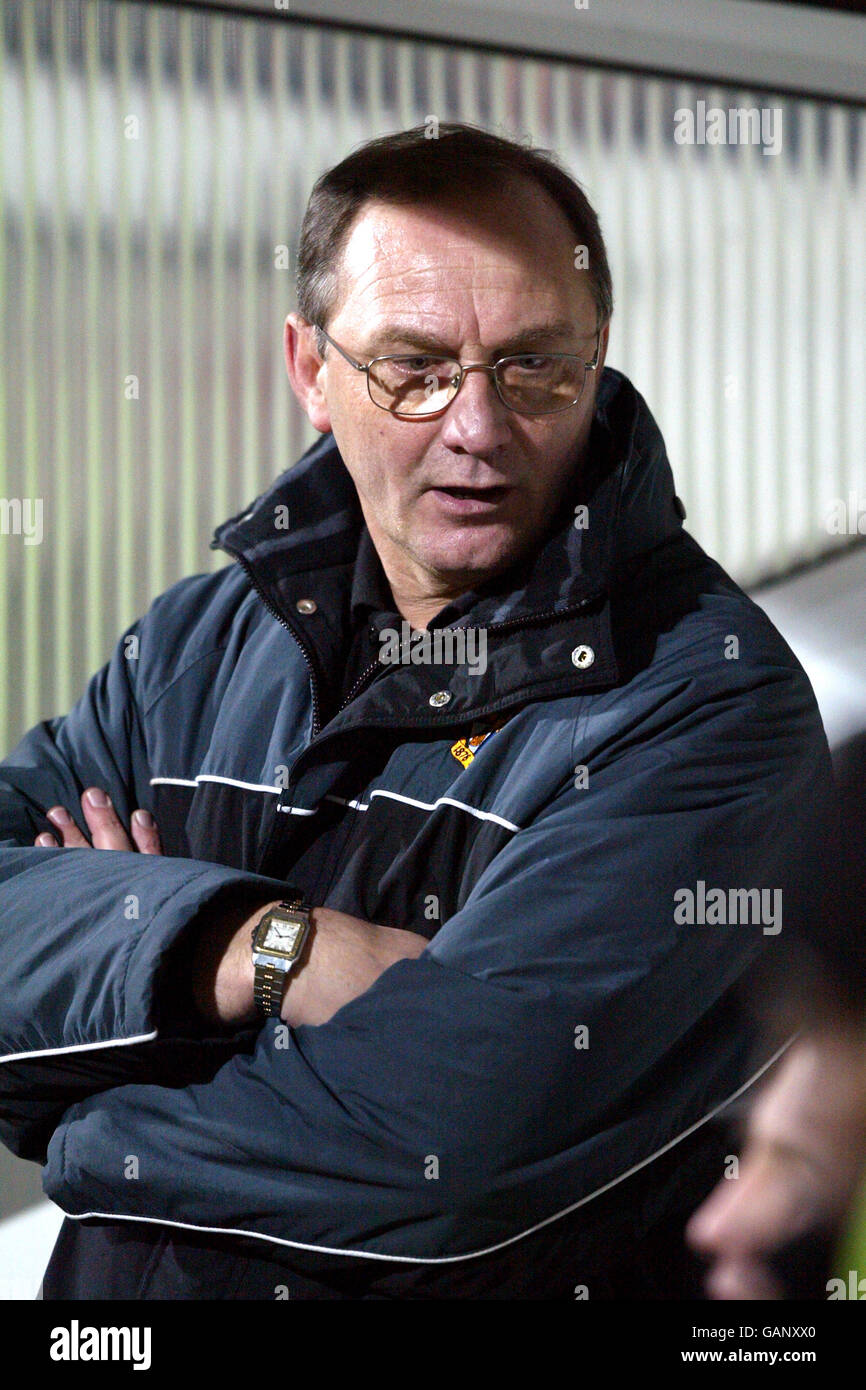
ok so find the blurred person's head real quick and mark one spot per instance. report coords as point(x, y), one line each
point(770, 1231)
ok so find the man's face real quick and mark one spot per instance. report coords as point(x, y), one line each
point(476, 286)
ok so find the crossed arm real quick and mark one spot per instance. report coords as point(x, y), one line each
point(466, 1052)
point(344, 956)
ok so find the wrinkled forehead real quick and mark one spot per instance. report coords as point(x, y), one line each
point(514, 246)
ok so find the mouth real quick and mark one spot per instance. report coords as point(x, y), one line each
point(471, 500)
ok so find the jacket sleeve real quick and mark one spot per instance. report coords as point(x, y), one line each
point(560, 1028)
point(89, 942)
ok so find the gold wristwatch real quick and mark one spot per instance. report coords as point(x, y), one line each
point(278, 940)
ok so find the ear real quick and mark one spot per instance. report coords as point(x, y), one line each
point(306, 370)
point(602, 348)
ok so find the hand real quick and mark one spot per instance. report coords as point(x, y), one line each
point(104, 826)
point(222, 974)
point(343, 958)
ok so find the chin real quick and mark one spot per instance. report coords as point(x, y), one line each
point(476, 562)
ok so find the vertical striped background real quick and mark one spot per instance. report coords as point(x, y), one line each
point(155, 166)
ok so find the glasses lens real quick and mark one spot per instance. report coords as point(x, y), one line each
point(413, 385)
point(540, 384)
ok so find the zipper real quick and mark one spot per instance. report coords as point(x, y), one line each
point(366, 675)
point(360, 683)
point(551, 613)
point(305, 651)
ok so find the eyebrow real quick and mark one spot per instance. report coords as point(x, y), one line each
point(539, 335)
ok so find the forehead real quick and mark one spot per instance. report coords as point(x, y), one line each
point(508, 256)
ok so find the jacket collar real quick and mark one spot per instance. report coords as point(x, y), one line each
point(300, 539)
point(310, 518)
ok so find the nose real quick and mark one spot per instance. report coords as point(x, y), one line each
point(476, 421)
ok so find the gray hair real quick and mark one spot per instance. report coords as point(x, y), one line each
point(409, 167)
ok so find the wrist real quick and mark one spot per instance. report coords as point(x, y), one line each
point(344, 957)
point(298, 980)
point(279, 944)
point(222, 974)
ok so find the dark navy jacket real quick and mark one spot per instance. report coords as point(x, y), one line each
point(563, 1038)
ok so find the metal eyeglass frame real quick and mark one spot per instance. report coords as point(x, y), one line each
point(470, 367)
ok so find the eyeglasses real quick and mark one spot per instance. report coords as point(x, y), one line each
point(530, 383)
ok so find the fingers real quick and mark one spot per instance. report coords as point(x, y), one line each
point(106, 829)
point(71, 836)
point(145, 833)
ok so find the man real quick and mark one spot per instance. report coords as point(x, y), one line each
point(493, 1065)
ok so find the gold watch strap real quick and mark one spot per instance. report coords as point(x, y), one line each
point(268, 985)
point(269, 980)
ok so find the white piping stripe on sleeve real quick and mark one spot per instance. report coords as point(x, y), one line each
point(232, 782)
point(473, 811)
point(355, 805)
point(77, 1047)
point(422, 806)
point(446, 801)
point(473, 1254)
point(212, 777)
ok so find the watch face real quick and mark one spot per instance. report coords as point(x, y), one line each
point(281, 936)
